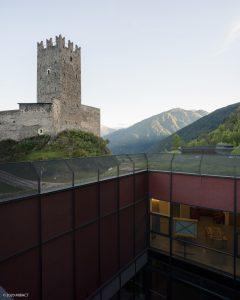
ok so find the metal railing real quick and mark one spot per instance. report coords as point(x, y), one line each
point(20, 179)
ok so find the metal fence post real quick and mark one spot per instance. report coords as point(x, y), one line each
point(146, 157)
point(200, 164)
point(72, 172)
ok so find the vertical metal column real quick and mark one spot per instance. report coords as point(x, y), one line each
point(99, 231)
point(148, 206)
point(134, 223)
point(73, 230)
point(170, 230)
point(118, 216)
point(171, 208)
point(118, 228)
point(235, 237)
point(134, 201)
point(39, 231)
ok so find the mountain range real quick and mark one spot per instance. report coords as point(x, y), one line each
point(144, 134)
point(199, 129)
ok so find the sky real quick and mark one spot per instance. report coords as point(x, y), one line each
point(139, 57)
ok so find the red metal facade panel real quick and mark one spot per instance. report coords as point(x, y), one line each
point(238, 196)
point(209, 192)
point(56, 213)
point(159, 185)
point(109, 247)
point(58, 268)
point(126, 236)
point(140, 226)
point(108, 196)
point(126, 191)
point(19, 226)
point(141, 186)
point(20, 229)
point(86, 204)
point(87, 273)
point(21, 274)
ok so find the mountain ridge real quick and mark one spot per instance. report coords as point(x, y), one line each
point(105, 130)
point(141, 135)
point(204, 125)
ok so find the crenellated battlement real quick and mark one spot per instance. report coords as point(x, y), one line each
point(58, 43)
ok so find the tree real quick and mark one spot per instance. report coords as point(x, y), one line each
point(176, 142)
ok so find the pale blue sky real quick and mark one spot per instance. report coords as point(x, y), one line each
point(139, 57)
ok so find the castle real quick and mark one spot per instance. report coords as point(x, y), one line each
point(58, 104)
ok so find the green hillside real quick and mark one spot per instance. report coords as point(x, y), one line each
point(71, 143)
point(198, 129)
point(228, 132)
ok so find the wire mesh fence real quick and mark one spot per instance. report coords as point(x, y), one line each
point(20, 179)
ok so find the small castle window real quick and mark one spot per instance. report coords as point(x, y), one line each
point(70, 58)
point(40, 131)
point(48, 71)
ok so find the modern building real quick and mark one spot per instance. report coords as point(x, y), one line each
point(157, 226)
point(58, 106)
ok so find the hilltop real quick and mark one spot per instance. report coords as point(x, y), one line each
point(198, 129)
point(70, 143)
point(142, 135)
point(226, 133)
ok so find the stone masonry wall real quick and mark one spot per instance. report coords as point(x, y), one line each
point(9, 127)
point(85, 118)
point(59, 72)
point(26, 121)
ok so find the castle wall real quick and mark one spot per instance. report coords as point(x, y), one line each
point(84, 118)
point(26, 121)
point(9, 124)
point(34, 117)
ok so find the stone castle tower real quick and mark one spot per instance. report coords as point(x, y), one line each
point(58, 104)
point(59, 72)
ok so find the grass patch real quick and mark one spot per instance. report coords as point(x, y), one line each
point(43, 155)
point(67, 144)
